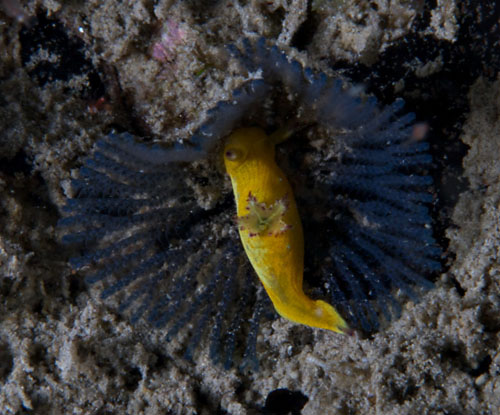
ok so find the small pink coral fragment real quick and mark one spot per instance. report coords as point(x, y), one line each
point(165, 49)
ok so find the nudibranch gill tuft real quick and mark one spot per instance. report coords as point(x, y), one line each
point(262, 219)
point(277, 257)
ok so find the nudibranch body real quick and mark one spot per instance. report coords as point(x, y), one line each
point(270, 228)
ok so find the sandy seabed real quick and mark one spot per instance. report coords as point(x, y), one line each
point(63, 351)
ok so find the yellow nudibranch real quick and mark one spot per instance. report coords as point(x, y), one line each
point(270, 227)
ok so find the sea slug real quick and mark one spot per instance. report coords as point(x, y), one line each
point(271, 230)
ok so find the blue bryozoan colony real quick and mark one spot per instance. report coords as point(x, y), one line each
point(364, 205)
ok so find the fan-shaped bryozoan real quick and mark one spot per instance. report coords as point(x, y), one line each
point(363, 209)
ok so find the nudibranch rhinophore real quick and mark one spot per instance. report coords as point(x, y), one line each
point(270, 228)
point(155, 251)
